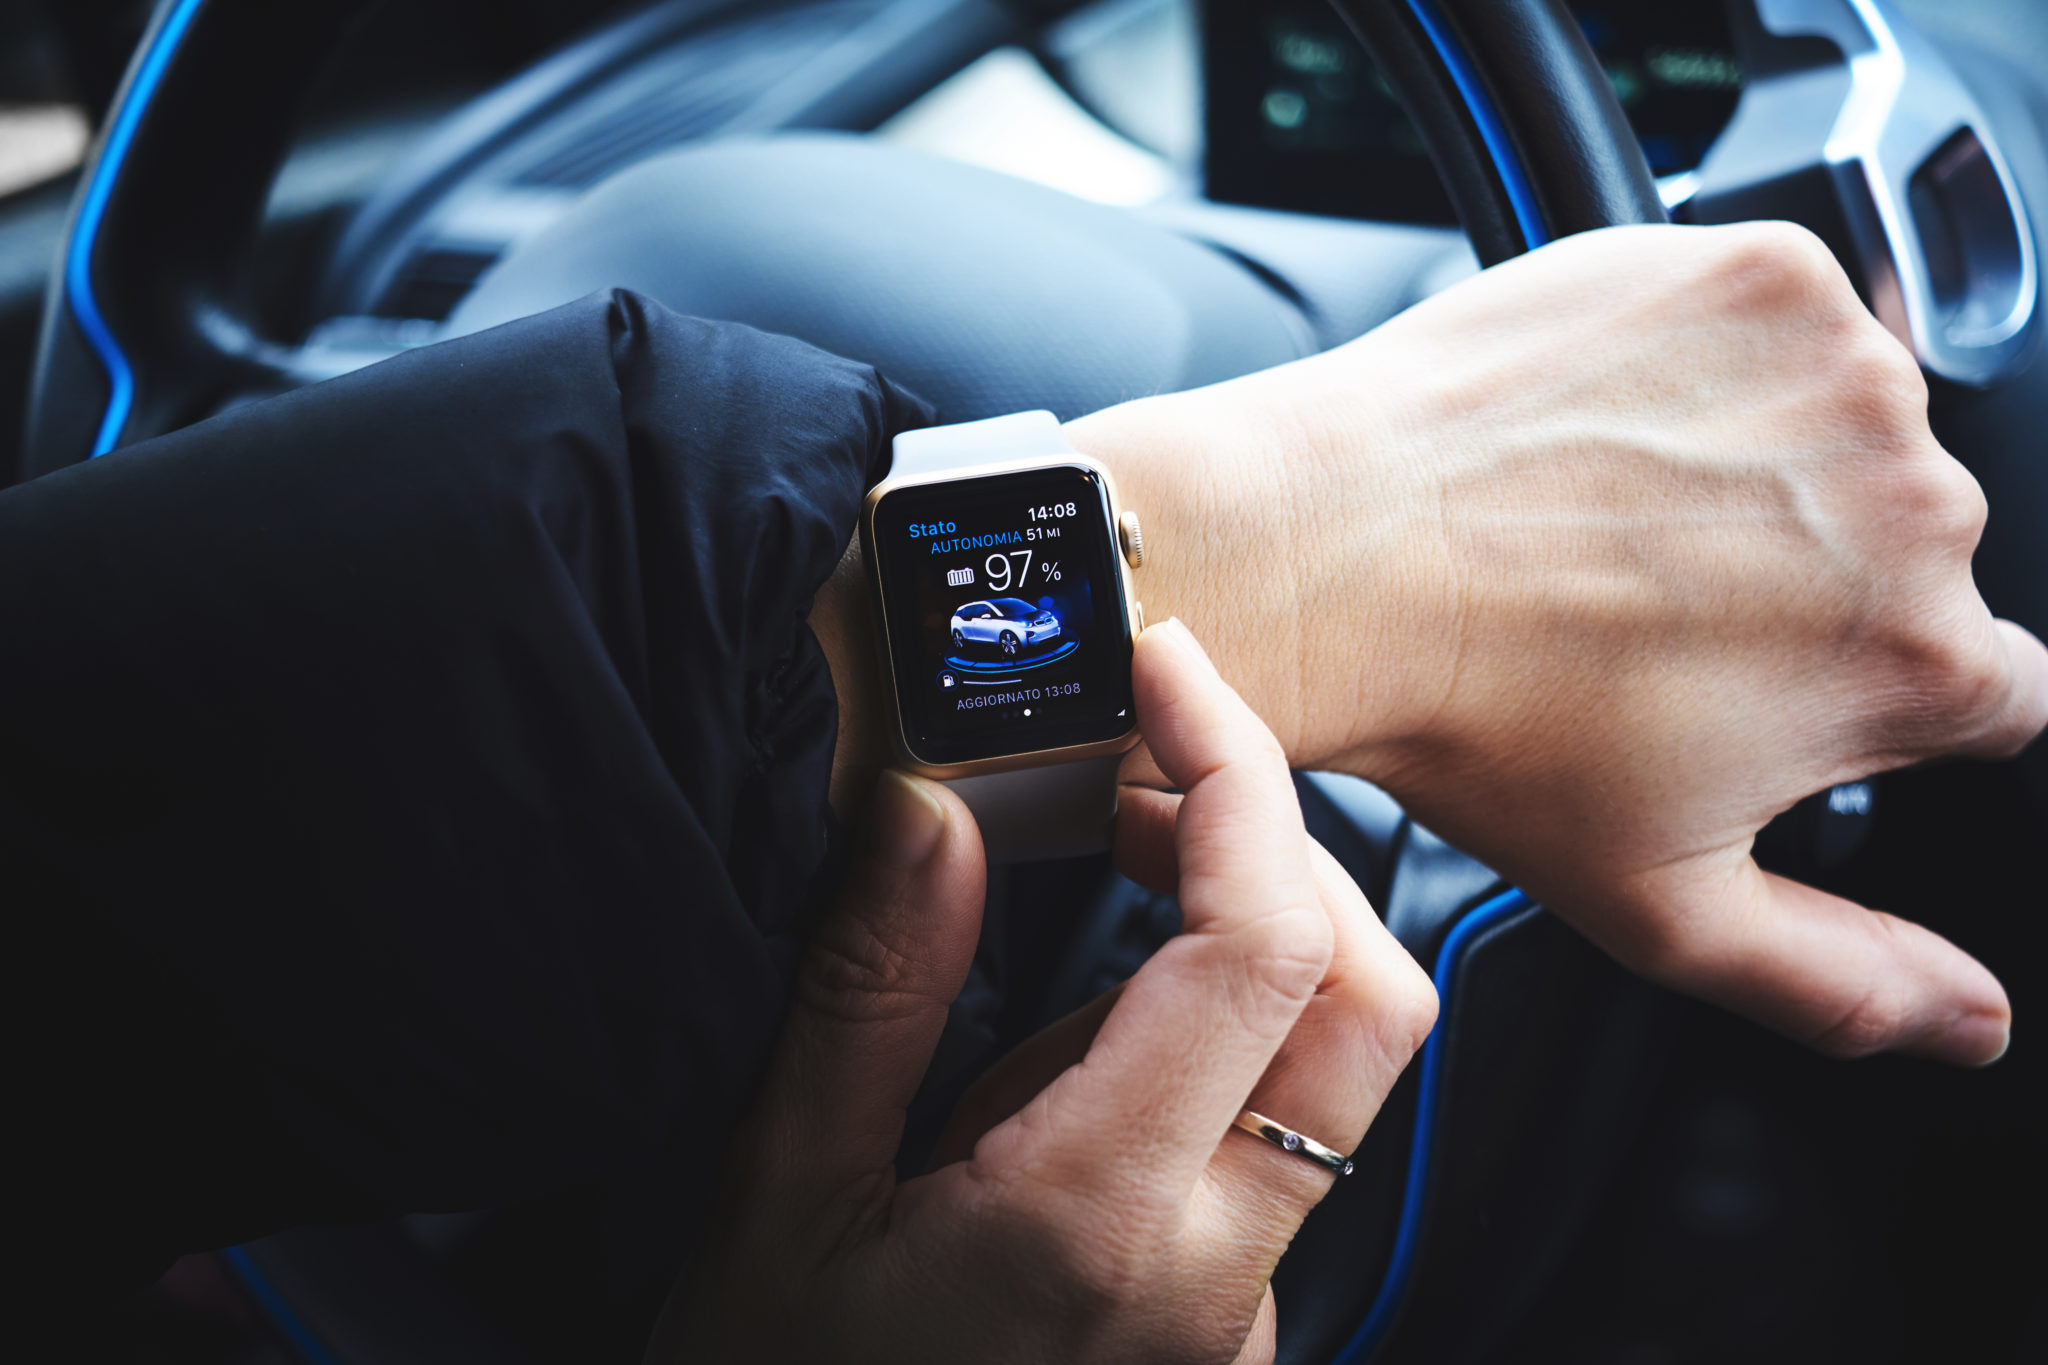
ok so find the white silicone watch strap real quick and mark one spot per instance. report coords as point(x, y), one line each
point(1059, 810)
point(963, 445)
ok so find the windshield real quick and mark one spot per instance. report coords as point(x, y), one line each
point(1015, 607)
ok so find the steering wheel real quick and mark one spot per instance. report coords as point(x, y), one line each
point(147, 331)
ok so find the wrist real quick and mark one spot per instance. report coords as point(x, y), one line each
point(1285, 526)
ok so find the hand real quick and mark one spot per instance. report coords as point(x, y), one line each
point(1599, 561)
point(1117, 1217)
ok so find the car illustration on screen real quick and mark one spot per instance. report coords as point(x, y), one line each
point(1010, 624)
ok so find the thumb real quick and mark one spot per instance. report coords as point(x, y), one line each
point(1263, 1341)
point(1823, 970)
point(871, 995)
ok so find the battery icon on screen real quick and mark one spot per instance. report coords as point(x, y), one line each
point(959, 578)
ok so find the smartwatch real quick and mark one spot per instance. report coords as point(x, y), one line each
point(999, 560)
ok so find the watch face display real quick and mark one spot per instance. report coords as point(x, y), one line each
point(1005, 615)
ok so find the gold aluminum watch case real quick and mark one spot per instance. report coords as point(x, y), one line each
point(1036, 758)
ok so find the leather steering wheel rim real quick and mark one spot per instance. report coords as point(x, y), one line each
point(142, 331)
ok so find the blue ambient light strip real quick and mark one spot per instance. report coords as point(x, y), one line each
point(1394, 1285)
point(149, 72)
point(303, 1338)
point(1407, 1236)
point(1506, 164)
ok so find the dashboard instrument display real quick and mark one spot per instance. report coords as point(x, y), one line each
point(1299, 119)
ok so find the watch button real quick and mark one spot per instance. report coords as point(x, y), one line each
point(1133, 538)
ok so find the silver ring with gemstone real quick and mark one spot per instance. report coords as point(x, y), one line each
point(1287, 1140)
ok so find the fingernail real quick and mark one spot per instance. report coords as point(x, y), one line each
point(1977, 1039)
point(1185, 638)
point(1972, 1040)
point(906, 822)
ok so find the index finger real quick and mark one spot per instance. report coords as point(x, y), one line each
point(1826, 971)
point(1200, 1022)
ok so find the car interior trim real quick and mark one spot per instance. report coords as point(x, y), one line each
point(1408, 1232)
point(159, 47)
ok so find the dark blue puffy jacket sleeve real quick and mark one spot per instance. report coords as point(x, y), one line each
point(412, 787)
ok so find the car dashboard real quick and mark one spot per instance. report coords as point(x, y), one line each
point(1258, 129)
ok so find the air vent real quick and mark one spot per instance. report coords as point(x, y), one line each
point(639, 132)
point(688, 92)
point(432, 282)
